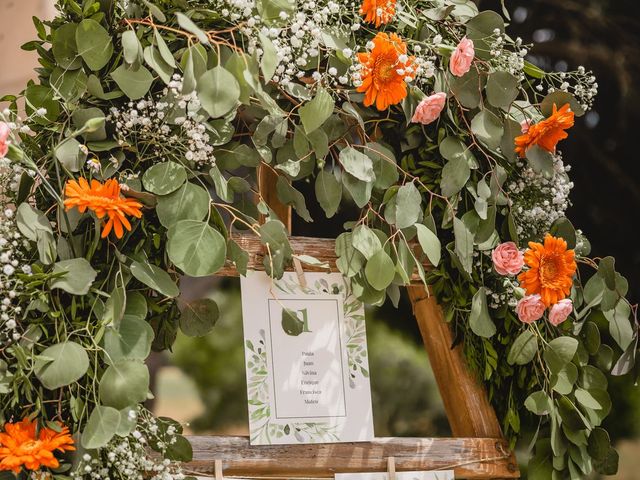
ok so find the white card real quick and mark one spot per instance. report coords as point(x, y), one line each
point(432, 475)
point(306, 360)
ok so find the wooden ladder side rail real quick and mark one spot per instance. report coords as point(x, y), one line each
point(471, 458)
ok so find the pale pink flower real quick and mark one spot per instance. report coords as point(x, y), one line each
point(4, 139)
point(462, 57)
point(530, 308)
point(560, 311)
point(429, 109)
point(507, 259)
point(525, 125)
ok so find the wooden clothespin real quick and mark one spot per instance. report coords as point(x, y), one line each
point(391, 468)
point(297, 265)
point(218, 469)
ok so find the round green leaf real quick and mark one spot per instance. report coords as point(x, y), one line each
point(328, 192)
point(164, 178)
point(408, 206)
point(560, 99)
point(189, 202)
point(101, 427)
point(357, 164)
point(134, 83)
point(156, 278)
point(502, 89)
point(524, 348)
point(198, 317)
point(385, 167)
point(131, 340)
point(64, 47)
point(125, 383)
point(599, 443)
point(136, 305)
point(94, 44)
point(454, 176)
point(61, 365)
point(180, 450)
point(380, 270)
point(76, 276)
point(488, 128)
point(538, 403)
point(430, 244)
point(196, 248)
point(479, 320)
point(218, 91)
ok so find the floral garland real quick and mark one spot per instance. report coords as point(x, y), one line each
point(138, 159)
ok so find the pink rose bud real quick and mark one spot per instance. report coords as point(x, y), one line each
point(530, 308)
point(462, 57)
point(4, 139)
point(429, 109)
point(507, 259)
point(525, 125)
point(560, 311)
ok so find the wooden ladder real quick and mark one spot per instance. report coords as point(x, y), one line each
point(477, 449)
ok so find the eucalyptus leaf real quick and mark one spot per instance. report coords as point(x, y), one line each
point(131, 340)
point(100, 428)
point(196, 248)
point(523, 349)
point(134, 83)
point(479, 318)
point(124, 383)
point(219, 91)
point(94, 44)
point(328, 192)
point(164, 178)
point(430, 244)
point(189, 202)
point(380, 270)
point(76, 276)
point(61, 364)
point(198, 317)
point(314, 113)
point(156, 278)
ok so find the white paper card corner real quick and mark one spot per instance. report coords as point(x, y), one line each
point(306, 359)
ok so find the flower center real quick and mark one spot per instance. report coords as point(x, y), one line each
point(31, 446)
point(385, 69)
point(549, 269)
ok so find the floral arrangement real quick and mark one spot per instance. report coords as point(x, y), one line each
point(136, 162)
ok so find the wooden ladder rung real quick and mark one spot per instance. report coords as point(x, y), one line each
point(471, 458)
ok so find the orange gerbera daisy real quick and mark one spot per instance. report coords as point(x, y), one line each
point(21, 446)
point(378, 11)
point(103, 199)
point(547, 133)
point(384, 71)
point(551, 270)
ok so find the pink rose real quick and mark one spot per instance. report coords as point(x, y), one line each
point(4, 139)
point(560, 311)
point(530, 308)
point(507, 259)
point(429, 109)
point(462, 57)
point(525, 125)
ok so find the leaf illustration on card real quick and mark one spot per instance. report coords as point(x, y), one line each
point(295, 322)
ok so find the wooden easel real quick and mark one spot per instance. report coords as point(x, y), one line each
point(477, 450)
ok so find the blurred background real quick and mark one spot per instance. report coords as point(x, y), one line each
point(202, 381)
